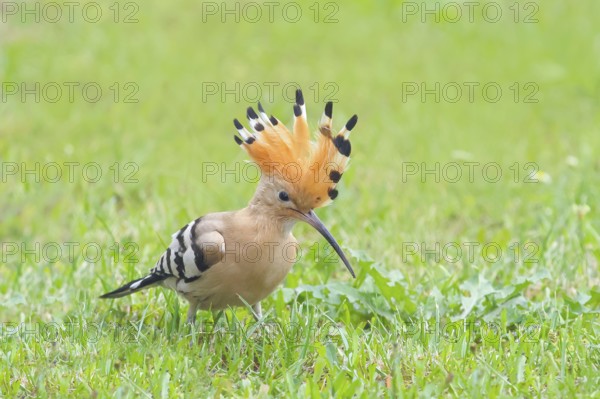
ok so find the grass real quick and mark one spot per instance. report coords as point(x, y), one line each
point(435, 310)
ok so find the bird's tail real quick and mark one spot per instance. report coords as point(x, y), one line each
point(135, 286)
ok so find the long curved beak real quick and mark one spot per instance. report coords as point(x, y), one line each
point(312, 219)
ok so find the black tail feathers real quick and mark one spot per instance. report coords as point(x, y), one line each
point(135, 286)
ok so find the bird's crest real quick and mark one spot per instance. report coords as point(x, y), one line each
point(312, 168)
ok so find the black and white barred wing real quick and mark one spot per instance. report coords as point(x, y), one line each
point(194, 249)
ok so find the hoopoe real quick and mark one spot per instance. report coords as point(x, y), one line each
point(240, 257)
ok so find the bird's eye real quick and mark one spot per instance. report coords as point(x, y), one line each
point(284, 196)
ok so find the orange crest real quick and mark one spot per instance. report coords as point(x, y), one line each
point(311, 168)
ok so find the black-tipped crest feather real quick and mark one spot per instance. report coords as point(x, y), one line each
point(251, 113)
point(352, 122)
point(299, 97)
point(329, 109)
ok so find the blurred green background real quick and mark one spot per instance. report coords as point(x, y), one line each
point(157, 62)
point(367, 58)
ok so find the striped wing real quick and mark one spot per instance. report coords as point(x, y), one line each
point(194, 249)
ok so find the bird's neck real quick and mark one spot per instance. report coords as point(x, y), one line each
point(263, 214)
point(268, 223)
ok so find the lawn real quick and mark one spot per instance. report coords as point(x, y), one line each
point(469, 212)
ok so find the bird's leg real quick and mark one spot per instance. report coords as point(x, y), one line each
point(257, 311)
point(191, 314)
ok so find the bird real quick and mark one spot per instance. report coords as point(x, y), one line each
point(238, 258)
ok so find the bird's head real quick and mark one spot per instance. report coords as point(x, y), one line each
point(298, 175)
